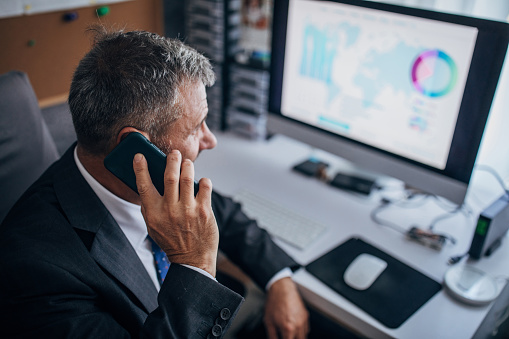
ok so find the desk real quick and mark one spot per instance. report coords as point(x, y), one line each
point(265, 168)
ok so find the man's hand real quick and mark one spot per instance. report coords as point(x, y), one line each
point(182, 225)
point(285, 313)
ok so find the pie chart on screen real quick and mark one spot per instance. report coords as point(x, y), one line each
point(434, 73)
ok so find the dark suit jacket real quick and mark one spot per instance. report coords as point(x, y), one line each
point(67, 270)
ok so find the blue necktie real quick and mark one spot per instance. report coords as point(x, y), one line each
point(162, 262)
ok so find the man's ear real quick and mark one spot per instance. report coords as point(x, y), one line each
point(126, 130)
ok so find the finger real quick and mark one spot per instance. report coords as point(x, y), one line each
point(144, 184)
point(271, 332)
point(204, 195)
point(287, 333)
point(172, 176)
point(307, 329)
point(187, 181)
point(302, 332)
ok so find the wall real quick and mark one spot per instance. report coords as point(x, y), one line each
point(48, 49)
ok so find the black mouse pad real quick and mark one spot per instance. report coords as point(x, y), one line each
point(395, 295)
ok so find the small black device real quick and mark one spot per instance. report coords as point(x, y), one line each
point(120, 161)
point(426, 238)
point(311, 167)
point(492, 224)
point(353, 183)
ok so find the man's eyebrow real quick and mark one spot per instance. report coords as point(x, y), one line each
point(202, 121)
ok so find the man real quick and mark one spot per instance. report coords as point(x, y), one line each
point(75, 255)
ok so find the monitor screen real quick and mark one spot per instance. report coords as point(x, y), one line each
point(399, 91)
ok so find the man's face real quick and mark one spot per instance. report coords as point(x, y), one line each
point(190, 133)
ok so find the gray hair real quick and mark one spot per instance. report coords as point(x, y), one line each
point(131, 79)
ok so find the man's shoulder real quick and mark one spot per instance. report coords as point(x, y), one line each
point(39, 203)
point(37, 206)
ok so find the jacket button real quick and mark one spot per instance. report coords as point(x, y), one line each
point(225, 314)
point(217, 330)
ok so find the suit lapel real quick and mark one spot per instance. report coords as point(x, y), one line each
point(110, 248)
point(115, 254)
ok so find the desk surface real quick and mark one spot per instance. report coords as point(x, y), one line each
point(265, 168)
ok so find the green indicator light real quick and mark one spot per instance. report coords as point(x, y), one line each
point(482, 227)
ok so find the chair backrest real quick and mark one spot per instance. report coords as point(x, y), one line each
point(26, 145)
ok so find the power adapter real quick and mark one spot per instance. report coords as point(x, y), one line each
point(492, 224)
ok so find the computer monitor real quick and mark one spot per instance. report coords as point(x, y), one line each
point(398, 91)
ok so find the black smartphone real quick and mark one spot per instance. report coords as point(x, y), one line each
point(120, 161)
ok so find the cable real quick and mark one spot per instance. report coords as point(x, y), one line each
point(425, 237)
point(447, 214)
point(456, 259)
point(444, 216)
point(446, 204)
point(497, 176)
point(384, 203)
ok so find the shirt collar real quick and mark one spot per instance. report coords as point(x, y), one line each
point(127, 215)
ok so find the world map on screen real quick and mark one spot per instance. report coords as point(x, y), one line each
point(389, 81)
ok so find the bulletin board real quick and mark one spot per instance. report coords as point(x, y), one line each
point(10, 8)
point(48, 46)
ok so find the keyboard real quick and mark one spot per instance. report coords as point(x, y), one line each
point(279, 221)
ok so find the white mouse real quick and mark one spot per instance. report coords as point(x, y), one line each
point(363, 271)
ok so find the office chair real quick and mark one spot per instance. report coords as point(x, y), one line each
point(26, 145)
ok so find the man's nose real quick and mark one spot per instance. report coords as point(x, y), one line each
point(208, 140)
